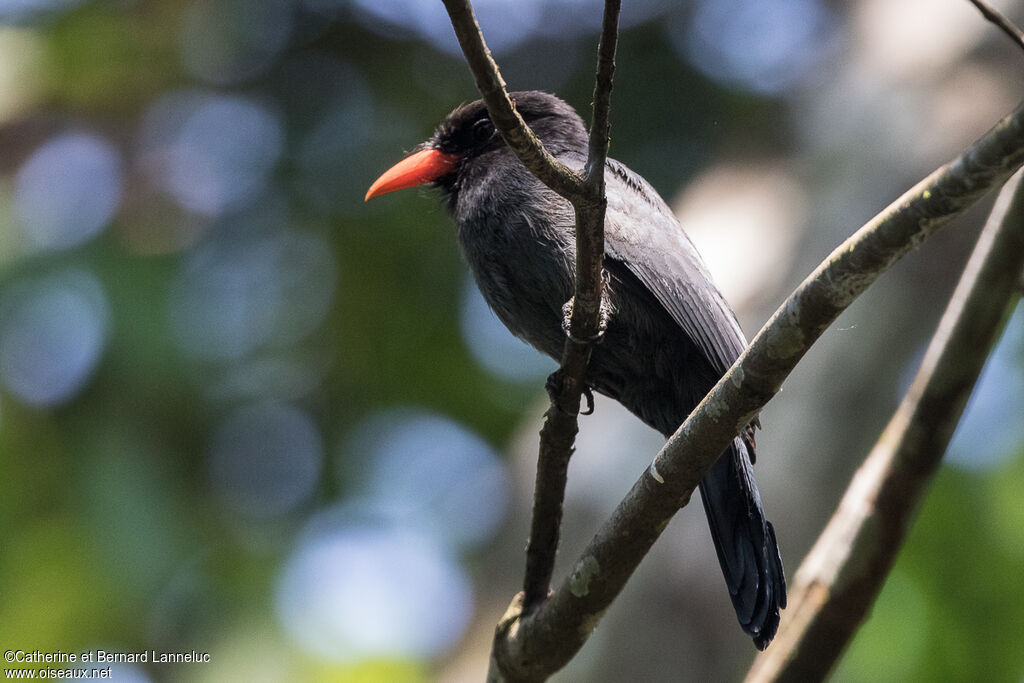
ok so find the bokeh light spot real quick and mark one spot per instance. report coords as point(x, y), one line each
point(238, 293)
point(353, 591)
point(764, 46)
point(68, 190)
point(505, 22)
point(266, 459)
point(749, 213)
point(52, 333)
point(429, 473)
point(18, 11)
point(211, 153)
point(227, 41)
point(337, 153)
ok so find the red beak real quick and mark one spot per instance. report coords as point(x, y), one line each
point(422, 167)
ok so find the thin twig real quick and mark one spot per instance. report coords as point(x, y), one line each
point(560, 425)
point(599, 123)
point(538, 644)
point(1000, 20)
point(587, 198)
point(506, 119)
point(845, 571)
point(556, 447)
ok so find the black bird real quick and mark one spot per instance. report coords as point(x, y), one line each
point(670, 334)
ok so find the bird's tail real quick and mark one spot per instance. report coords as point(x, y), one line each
point(745, 542)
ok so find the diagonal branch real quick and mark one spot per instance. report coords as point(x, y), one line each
point(537, 644)
point(845, 571)
point(999, 19)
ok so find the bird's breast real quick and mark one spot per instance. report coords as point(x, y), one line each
point(518, 241)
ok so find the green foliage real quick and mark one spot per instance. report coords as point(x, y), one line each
point(949, 610)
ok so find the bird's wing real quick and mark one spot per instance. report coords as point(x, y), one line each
point(642, 233)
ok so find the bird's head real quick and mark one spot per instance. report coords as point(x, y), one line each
point(468, 133)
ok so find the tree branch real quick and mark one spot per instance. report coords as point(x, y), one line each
point(846, 569)
point(1000, 20)
point(506, 119)
point(585, 327)
point(534, 645)
point(587, 196)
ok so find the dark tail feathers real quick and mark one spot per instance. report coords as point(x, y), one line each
point(745, 542)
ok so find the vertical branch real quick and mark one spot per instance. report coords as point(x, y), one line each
point(599, 123)
point(845, 571)
point(566, 386)
point(556, 447)
point(586, 325)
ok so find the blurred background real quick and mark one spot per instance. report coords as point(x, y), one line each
point(244, 413)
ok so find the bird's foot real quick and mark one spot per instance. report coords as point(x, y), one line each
point(589, 395)
point(554, 389)
point(604, 315)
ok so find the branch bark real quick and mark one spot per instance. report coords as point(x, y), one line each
point(532, 646)
point(846, 569)
point(999, 19)
point(586, 325)
point(586, 193)
point(517, 135)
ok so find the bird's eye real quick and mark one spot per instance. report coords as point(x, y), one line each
point(483, 130)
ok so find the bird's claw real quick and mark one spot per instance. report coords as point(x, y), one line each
point(590, 401)
point(604, 315)
point(553, 385)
